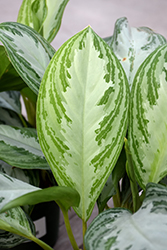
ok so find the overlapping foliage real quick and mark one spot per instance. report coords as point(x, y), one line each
point(92, 93)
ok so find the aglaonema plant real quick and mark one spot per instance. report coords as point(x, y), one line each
point(21, 156)
point(101, 125)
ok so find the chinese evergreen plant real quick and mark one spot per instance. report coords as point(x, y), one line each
point(101, 124)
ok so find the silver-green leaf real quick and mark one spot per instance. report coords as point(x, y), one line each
point(43, 15)
point(12, 188)
point(11, 222)
point(132, 45)
point(29, 176)
point(29, 52)
point(82, 115)
point(148, 119)
point(19, 147)
point(53, 20)
point(118, 229)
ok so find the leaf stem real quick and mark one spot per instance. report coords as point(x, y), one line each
point(68, 228)
point(42, 244)
point(117, 197)
point(23, 121)
point(84, 227)
point(31, 110)
point(131, 174)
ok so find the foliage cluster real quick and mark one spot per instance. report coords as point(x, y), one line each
point(96, 120)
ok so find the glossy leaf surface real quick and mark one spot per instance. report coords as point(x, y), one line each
point(19, 147)
point(82, 115)
point(119, 229)
point(148, 119)
point(132, 45)
point(29, 52)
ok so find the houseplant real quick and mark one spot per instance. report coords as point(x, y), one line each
point(92, 95)
point(28, 164)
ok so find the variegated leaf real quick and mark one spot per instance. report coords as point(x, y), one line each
point(12, 188)
point(82, 115)
point(10, 117)
point(28, 176)
point(11, 100)
point(132, 45)
point(43, 15)
point(14, 193)
point(39, 14)
point(28, 51)
point(148, 119)
point(33, 13)
point(53, 20)
point(19, 147)
point(13, 221)
point(25, 13)
point(64, 196)
point(118, 229)
point(9, 240)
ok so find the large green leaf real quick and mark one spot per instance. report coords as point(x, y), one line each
point(9, 78)
point(148, 119)
point(119, 229)
point(132, 45)
point(82, 115)
point(19, 147)
point(43, 15)
point(29, 52)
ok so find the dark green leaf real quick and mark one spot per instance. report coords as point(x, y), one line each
point(9, 78)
